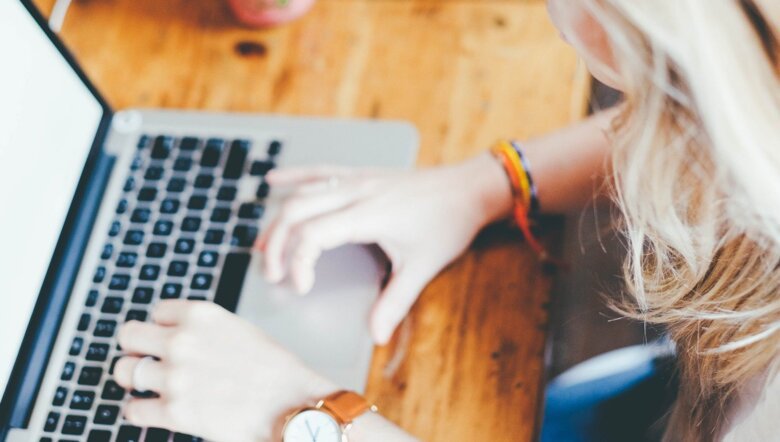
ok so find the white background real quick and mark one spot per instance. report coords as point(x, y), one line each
point(48, 120)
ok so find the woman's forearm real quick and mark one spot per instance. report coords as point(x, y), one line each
point(569, 165)
point(568, 168)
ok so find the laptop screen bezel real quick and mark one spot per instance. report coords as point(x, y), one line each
point(33, 357)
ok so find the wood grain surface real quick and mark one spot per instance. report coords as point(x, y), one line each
point(465, 73)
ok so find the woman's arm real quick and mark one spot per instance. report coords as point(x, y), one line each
point(569, 165)
point(424, 219)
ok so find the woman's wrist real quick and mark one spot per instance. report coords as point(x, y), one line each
point(489, 188)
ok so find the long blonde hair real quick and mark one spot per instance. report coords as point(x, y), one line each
point(696, 176)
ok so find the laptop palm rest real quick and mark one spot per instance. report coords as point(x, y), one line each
point(327, 328)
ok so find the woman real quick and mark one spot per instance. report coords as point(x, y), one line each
point(692, 159)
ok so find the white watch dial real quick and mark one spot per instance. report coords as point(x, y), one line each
point(312, 426)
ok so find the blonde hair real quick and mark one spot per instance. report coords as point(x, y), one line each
point(696, 176)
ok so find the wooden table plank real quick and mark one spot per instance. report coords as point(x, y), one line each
point(465, 73)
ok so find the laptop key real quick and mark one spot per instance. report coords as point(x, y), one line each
point(190, 224)
point(97, 352)
point(104, 328)
point(163, 228)
point(136, 315)
point(59, 396)
point(156, 250)
point(162, 147)
point(204, 181)
point(184, 246)
point(244, 236)
point(112, 305)
point(220, 215)
point(75, 346)
point(212, 153)
point(182, 164)
point(127, 260)
point(149, 272)
point(84, 321)
point(178, 268)
point(99, 436)
point(274, 148)
point(143, 141)
point(157, 435)
point(147, 194)
point(128, 433)
point(52, 419)
point(208, 259)
point(214, 236)
point(189, 143)
point(143, 295)
point(138, 162)
point(169, 206)
point(108, 250)
point(202, 281)
point(100, 275)
point(261, 168)
point(232, 280)
point(112, 391)
point(82, 400)
point(154, 173)
point(171, 291)
point(251, 211)
point(134, 237)
point(106, 414)
point(234, 165)
point(176, 185)
point(197, 202)
point(119, 282)
point(92, 297)
point(90, 376)
point(227, 193)
point(129, 184)
point(74, 425)
point(116, 226)
point(121, 208)
point(141, 216)
point(263, 190)
point(67, 371)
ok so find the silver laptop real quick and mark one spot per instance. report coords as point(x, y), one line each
point(106, 212)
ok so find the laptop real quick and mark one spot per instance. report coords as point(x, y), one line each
point(106, 212)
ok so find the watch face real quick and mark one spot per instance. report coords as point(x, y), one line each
point(312, 426)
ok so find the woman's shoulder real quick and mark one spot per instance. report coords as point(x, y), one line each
point(756, 412)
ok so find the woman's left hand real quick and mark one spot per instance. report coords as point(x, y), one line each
point(217, 376)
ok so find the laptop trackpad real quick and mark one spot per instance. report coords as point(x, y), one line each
point(328, 328)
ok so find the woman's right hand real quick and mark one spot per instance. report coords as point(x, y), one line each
point(422, 220)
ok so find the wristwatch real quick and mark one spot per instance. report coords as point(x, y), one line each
point(328, 421)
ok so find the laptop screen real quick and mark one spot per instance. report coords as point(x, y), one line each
point(48, 122)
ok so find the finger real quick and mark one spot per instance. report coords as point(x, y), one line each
point(172, 311)
point(294, 176)
point(321, 234)
point(132, 374)
point(142, 338)
point(148, 413)
point(294, 212)
point(395, 302)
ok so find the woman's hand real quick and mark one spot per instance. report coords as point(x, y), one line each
point(422, 220)
point(217, 376)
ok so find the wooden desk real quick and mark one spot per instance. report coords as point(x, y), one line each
point(465, 72)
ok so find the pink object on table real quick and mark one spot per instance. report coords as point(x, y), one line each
point(264, 13)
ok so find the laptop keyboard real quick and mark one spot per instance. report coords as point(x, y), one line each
point(181, 231)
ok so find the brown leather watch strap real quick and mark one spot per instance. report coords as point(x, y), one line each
point(346, 406)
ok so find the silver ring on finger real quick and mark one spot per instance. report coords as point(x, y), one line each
point(138, 384)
